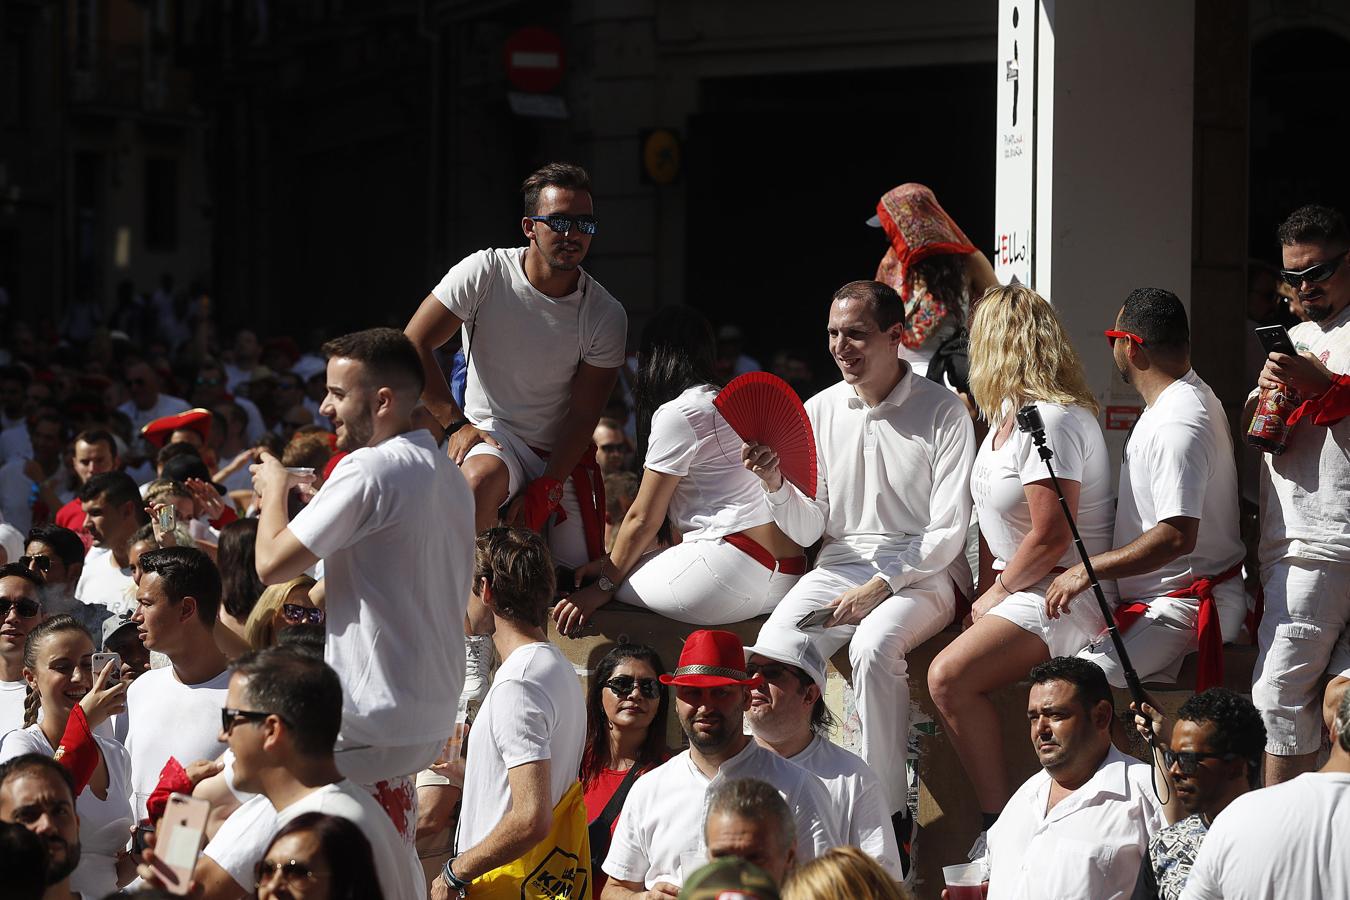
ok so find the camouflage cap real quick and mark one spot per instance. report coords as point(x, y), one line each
point(729, 878)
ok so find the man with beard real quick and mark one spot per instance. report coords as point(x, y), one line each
point(1077, 828)
point(394, 527)
point(57, 554)
point(544, 342)
point(788, 715)
point(1305, 520)
point(1213, 756)
point(38, 793)
point(1176, 555)
point(113, 510)
point(662, 819)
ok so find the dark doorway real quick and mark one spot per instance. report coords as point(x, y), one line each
point(1299, 130)
point(784, 171)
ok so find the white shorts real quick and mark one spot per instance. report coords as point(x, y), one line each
point(704, 583)
point(566, 540)
point(1307, 609)
point(1064, 636)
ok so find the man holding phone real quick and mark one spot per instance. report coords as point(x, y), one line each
point(894, 454)
point(1305, 517)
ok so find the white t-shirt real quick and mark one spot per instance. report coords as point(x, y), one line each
point(663, 815)
point(104, 582)
point(12, 696)
point(1282, 841)
point(1304, 490)
point(244, 837)
point(394, 528)
point(859, 799)
point(1179, 462)
point(997, 484)
point(15, 443)
point(164, 406)
point(716, 495)
point(1089, 845)
point(524, 346)
point(104, 824)
point(534, 711)
point(168, 718)
point(17, 495)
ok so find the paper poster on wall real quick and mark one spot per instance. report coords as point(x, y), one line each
point(1015, 192)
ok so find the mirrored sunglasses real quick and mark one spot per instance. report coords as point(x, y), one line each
point(562, 224)
point(622, 686)
point(296, 614)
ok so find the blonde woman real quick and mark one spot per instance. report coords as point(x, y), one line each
point(280, 606)
point(1020, 355)
point(844, 873)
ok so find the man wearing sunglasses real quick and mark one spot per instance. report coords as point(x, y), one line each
point(1177, 554)
point(1305, 516)
point(544, 342)
point(20, 610)
point(1211, 756)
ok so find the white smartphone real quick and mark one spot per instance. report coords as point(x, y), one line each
point(100, 660)
point(178, 840)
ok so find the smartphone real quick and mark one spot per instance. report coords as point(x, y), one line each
point(816, 618)
point(168, 517)
point(1275, 339)
point(101, 660)
point(178, 840)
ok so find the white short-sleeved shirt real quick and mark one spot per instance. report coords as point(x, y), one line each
point(1000, 476)
point(104, 824)
point(534, 711)
point(168, 718)
point(523, 345)
point(716, 495)
point(1304, 489)
point(663, 815)
point(1179, 462)
point(1089, 845)
point(1282, 841)
point(12, 696)
point(859, 799)
point(104, 582)
point(394, 528)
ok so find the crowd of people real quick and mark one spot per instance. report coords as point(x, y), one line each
point(311, 598)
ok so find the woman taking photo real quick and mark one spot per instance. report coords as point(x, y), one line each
point(626, 709)
point(57, 666)
point(1020, 355)
point(733, 562)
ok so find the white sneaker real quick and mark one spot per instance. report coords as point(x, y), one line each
point(477, 667)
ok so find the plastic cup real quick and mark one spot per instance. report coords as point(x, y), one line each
point(964, 881)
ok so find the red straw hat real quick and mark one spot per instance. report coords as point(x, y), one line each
point(712, 659)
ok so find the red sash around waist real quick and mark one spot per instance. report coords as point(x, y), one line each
point(789, 565)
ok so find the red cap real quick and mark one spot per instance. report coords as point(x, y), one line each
point(712, 659)
point(157, 431)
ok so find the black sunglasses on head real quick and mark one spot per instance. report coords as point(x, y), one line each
point(1188, 761)
point(622, 686)
point(26, 609)
point(562, 224)
point(1313, 274)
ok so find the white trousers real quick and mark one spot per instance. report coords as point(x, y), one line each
point(876, 650)
point(566, 539)
point(704, 583)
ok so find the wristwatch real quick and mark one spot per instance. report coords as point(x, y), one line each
point(453, 881)
point(603, 582)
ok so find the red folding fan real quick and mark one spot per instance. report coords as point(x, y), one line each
point(762, 409)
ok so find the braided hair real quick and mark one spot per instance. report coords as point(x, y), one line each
point(32, 701)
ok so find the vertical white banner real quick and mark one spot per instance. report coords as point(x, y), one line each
point(1015, 191)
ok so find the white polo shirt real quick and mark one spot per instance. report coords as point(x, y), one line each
point(892, 483)
point(857, 795)
point(1089, 845)
point(1179, 462)
point(1282, 841)
point(663, 816)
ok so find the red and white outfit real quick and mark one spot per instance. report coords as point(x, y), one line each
point(714, 576)
point(1179, 462)
point(892, 500)
point(523, 348)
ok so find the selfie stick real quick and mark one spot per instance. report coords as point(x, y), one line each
point(1029, 422)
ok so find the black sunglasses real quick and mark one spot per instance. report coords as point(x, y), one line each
point(291, 870)
point(296, 614)
point(39, 561)
point(26, 608)
point(562, 224)
point(232, 717)
point(1313, 274)
point(770, 671)
point(622, 686)
point(1188, 761)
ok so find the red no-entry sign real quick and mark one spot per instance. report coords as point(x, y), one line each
point(534, 59)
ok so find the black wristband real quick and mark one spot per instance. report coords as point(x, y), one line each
point(456, 425)
point(453, 881)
